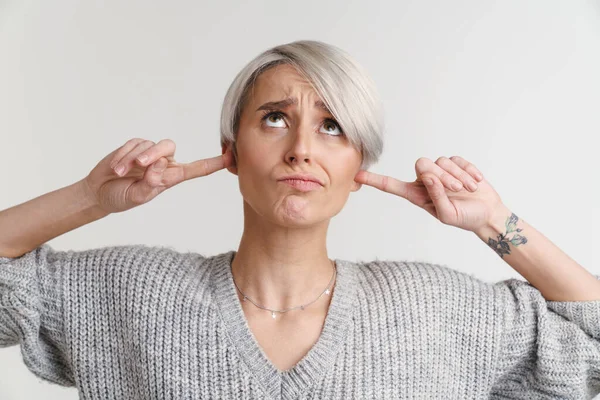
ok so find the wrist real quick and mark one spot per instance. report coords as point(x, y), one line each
point(495, 225)
point(89, 200)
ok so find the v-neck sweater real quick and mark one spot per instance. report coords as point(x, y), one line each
point(150, 322)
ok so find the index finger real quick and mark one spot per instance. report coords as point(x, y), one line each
point(383, 182)
point(207, 166)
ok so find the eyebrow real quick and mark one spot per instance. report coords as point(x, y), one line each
point(285, 103)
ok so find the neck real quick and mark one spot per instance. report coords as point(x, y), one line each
point(282, 267)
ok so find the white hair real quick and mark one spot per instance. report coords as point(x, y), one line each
point(343, 85)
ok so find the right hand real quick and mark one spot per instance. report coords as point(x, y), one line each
point(141, 182)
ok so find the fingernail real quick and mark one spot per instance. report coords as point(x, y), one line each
point(428, 181)
point(456, 185)
point(159, 166)
point(478, 176)
point(120, 169)
point(143, 158)
point(472, 185)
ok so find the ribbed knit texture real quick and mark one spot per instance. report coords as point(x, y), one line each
point(141, 322)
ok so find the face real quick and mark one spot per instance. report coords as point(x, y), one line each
point(274, 141)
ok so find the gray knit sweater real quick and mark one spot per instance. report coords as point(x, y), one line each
point(141, 322)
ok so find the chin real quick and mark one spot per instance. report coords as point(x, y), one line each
point(300, 219)
point(290, 216)
point(291, 210)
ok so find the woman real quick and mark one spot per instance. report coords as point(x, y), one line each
point(277, 318)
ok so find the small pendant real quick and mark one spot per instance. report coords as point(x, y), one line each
point(244, 299)
point(302, 307)
point(273, 314)
point(327, 291)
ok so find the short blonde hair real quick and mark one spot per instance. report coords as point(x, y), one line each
point(343, 85)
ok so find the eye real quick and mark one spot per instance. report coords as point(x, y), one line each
point(329, 124)
point(267, 117)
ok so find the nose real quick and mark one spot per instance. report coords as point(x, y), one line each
point(300, 149)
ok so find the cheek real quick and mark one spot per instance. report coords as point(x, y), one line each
point(254, 167)
point(343, 173)
point(254, 151)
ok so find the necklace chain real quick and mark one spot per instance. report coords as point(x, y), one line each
point(326, 292)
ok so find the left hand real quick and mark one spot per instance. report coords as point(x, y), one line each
point(465, 209)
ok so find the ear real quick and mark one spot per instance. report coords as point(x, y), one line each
point(232, 168)
point(355, 186)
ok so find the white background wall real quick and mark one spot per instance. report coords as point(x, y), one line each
point(512, 86)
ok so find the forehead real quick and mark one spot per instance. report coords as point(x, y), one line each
point(280, 82)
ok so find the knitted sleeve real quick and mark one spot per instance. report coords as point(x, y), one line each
point(551, 349)
point(31, 310)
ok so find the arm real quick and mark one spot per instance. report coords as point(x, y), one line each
point(557, 276)
point(41, 288)
point(547, 352)
point(28, 225)
point(31, 276)
point(552, 322)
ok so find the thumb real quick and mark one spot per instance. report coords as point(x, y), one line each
point(152, 184)
point(444, 209)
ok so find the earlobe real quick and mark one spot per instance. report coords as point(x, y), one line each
point(232, 168)
point(356, 186)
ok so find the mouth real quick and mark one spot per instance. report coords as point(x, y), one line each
point(301, 184)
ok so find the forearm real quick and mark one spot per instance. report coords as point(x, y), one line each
point(28, 225)
point(557, 276)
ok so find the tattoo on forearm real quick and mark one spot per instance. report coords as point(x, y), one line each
point(501, 245)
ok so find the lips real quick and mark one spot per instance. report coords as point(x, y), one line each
point(302, 177)
point(302, 185)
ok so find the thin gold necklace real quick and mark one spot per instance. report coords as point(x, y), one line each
point(326, 292)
